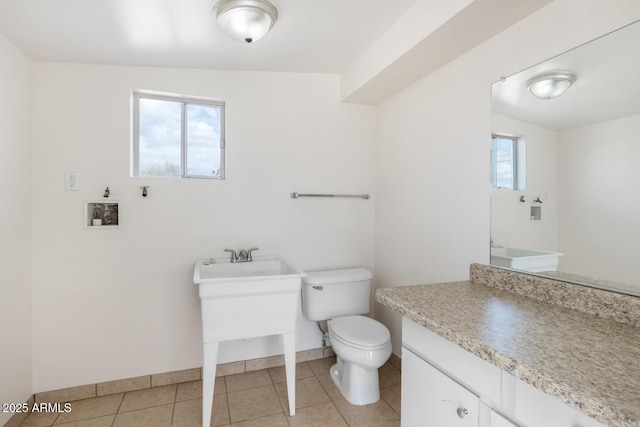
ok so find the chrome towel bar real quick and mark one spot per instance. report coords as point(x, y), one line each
point(358, 196)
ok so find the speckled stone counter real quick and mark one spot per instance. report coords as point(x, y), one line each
point(589, 362)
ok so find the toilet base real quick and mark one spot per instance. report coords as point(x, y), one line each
point(359, 386)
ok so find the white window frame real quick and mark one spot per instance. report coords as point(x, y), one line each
point(518, 162)
point(183, 100)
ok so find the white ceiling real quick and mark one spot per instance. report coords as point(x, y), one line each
point(310, 35)
point(377, 46)
point(608, 71)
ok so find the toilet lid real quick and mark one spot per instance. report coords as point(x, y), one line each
point(360, 330)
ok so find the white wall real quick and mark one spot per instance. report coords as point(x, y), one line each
point(15, 226)
point(511, 225)
point(432, 205)
point(112, 304)
point(599, 205)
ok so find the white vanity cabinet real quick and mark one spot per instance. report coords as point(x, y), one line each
point(498, 420)
point(430, 398)
point(445, 385)
point(536, 408)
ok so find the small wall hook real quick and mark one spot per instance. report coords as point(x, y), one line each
point(537, 200)
point(107, 192)
point(522, 199)
point(144, 190)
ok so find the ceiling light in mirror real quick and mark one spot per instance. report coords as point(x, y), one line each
point(550, 85)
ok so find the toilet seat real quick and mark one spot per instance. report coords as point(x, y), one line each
point(360, 332)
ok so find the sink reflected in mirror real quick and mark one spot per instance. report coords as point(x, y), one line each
point(525, 259)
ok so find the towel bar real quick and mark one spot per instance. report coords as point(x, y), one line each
point(358, 196)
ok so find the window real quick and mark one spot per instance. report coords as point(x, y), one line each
point(508, 163)
point(176, 136)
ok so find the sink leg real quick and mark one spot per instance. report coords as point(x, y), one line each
point(290, 369)
point(210, 359)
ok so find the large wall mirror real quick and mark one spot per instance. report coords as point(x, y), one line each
point(565, 201)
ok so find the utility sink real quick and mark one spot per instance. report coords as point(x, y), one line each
point(246, 300)
point(525, 259)
point(221, 270)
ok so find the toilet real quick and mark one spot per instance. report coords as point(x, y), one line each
point(361, 344)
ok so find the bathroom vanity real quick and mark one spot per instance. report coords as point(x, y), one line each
point(508, 349)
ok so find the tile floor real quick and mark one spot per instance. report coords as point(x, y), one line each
point(257, 398)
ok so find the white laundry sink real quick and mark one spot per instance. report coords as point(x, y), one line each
point(525, 259)
point(246, 300)
point(222, 270)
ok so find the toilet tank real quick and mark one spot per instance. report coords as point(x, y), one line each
point(332, 293)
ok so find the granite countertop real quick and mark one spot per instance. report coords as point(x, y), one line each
point(589, 362)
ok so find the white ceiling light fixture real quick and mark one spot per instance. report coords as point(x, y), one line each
point(551, 85)
point(246, 21)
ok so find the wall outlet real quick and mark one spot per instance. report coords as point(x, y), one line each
point(71, 181)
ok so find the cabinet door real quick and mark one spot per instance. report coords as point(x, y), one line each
point(430, 398)
point(498, 420)
point(535, 408)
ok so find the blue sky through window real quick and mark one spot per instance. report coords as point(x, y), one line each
point(160, 138)
point(203, 140)
point(504, 162)
point(159, 143)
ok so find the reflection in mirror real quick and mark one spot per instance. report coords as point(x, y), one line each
point(579, 218)
point(508, 162)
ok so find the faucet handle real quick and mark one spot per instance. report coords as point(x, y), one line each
point(249, 257)
point(234, 256)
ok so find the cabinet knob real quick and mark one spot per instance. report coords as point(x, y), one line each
point(462, 412)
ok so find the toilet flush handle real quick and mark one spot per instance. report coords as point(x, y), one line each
point(318, 288)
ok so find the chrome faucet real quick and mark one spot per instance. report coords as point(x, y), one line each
point(243, 256)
